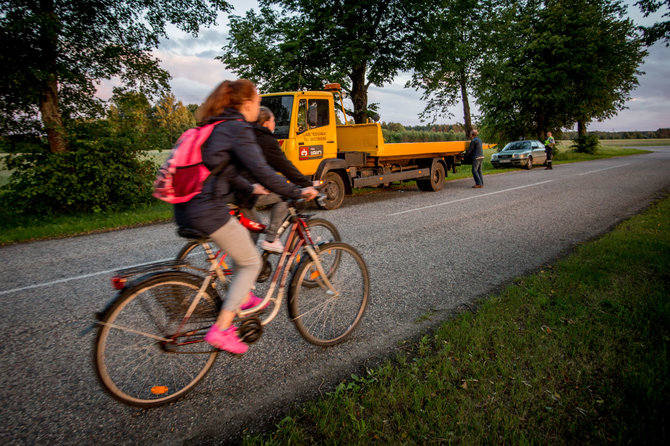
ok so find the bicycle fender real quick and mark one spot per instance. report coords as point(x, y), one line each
point(102, 315)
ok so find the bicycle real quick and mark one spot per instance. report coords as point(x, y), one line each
point(150, 347)
point(321, 230)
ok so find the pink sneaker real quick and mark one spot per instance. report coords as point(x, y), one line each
point(226, 340)
point(252, 302)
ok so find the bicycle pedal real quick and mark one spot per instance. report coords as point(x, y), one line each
point(250, 330)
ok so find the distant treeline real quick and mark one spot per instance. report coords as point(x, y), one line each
point(650, 134)
point(395, 132)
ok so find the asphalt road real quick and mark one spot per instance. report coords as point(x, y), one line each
point(429, 254)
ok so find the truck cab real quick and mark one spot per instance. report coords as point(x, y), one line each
point(305, 127)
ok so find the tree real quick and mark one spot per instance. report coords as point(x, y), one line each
point(446, 58)
point(54, 52)
point(605, 53)
point(657, 31)
point(293, 44)
point(171, 119)
point(556, 63)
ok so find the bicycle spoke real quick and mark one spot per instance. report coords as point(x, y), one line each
point(137, 358)
point(327, 307)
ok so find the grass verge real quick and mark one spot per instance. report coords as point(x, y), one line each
point(17, 229)
point(574, 354)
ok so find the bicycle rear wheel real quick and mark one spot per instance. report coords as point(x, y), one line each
point(323, 316)
point(140, 358)
point(195, 255)
point(322, 231)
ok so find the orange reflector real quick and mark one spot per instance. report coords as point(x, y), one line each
point(297, 258)
point(159, 390)
point(314, 275)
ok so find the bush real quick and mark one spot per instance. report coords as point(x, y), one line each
point(586, 144)
point(100, 172)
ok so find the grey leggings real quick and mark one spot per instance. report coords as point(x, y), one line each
point(235, 240)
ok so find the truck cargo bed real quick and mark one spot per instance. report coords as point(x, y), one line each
point(368, 138)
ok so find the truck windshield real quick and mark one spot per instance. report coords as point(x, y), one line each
point(281, 106)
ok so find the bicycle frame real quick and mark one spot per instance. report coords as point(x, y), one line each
point(218, 270)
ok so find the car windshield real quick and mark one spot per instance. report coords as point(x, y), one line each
point(281, 106)
point(518, 145)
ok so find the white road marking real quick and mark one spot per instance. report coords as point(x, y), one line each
point(68, 279)
point(605, 168)
point(469, 198)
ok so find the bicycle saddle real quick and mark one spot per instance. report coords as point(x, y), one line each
point(191, 233)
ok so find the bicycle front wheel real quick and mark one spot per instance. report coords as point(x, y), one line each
point(146, 352)
point(322, 231)
point(325, 315)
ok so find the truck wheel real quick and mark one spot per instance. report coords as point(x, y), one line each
point(333, 188)
point(436, 181)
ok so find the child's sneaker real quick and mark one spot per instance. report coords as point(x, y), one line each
point(275, 246)
point(226, 340)
point(252, 302)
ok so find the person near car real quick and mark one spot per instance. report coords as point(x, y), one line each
point(264, 128)
point(232, 144)
point(549, 149)
point(476, 153)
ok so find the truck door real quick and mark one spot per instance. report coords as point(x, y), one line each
point(315, 132)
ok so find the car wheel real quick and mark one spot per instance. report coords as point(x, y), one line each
point(529, 164)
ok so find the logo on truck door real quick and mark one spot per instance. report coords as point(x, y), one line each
point(310, 152)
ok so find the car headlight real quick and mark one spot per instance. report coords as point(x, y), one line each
point(494, 156)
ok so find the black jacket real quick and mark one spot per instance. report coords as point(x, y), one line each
point(232, 144)
point(276, 158)
point(475, 150)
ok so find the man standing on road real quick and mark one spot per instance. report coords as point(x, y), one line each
point(476, 153)
point(549, 149)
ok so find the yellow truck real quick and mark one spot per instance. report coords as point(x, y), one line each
point(352, 156)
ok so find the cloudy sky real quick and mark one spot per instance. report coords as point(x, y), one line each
point(195, 73)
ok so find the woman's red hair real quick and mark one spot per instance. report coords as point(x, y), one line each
point(228, 94)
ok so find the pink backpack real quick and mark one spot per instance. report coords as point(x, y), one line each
point(183, 174)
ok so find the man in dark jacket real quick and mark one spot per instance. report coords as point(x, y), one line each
point(275, 157)
point(476, 153)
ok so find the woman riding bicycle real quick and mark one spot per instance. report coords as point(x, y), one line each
point(232, 144)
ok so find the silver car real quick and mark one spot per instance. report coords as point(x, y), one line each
point(526, 153)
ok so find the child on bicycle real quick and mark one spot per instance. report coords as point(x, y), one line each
point(232, 144)
point(264, 129)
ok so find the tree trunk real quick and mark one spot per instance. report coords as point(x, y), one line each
point(467, 119)
point(51, 116)
point(581, 128)
point(359, 93)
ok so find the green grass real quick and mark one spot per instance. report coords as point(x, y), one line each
point(574, 354)
point(565, 155)
point(13, 229)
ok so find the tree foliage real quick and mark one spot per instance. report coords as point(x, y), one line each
point(54, 52)
point(659, 31)
point(100, 172)
point(295, 44)
point(554, 63)
point(447, 56)
point(106, 168)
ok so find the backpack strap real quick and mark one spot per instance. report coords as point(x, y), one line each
point(218, 169)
